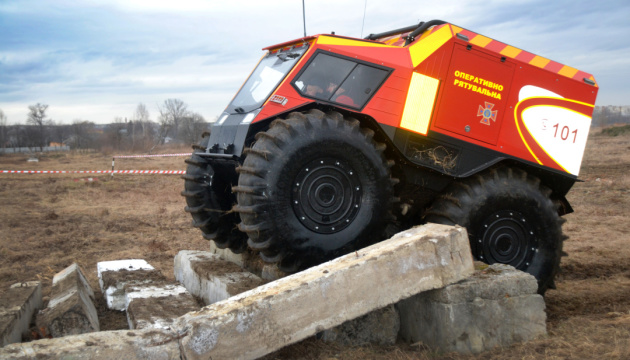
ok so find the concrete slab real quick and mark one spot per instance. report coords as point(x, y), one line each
point(104, 345)
point(243, 259)
point(17, 306)
point(211, 278)
point(70, 275)
point(249, 261)
point(156, 306)
point(114, 275)
point(497, 306)
point(295, 307)
point(260, 321)
point(71, 309)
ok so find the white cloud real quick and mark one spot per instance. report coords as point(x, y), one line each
point(101, 57)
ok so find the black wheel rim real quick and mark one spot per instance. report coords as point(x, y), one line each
point(508, 238)
point(326, 195)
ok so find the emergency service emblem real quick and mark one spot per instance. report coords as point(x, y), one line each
point(487, 113)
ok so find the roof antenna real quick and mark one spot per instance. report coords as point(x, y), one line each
point(304, 17)
point(363, 24)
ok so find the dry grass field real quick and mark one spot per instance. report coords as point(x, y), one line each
point(47, 222)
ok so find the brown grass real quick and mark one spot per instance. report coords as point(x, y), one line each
point(51, 221)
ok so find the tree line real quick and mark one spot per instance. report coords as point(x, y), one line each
point(609, 115)
point(175, 124)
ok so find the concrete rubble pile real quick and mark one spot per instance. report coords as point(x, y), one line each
point(142, 291)
point(208, 276)
point(420, 279)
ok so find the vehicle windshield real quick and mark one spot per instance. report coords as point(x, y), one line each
point(265, 78)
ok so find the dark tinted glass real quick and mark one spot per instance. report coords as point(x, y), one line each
point(323, 75)
point(359, 86)
point(339, 80)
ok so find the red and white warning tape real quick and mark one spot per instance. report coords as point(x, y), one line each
point(145, 156)
point(142, 156)
point(174, 172)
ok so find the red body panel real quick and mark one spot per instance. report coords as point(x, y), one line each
point(489, 94)
point(468, 70)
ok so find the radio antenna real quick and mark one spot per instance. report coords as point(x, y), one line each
point(363, 24)
point(304, 17)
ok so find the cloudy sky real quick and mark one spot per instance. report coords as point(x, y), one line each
point(97, 59)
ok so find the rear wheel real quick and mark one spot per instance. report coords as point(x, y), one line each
point(209, 201)
point(312, 187)
point(510, 219)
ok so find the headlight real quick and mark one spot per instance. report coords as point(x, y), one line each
point(222, 119)
point(249, 117)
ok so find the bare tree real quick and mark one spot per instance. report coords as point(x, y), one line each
point(191, 128)
point(141, 114)
point(140, 126)
point(81, 134)
point(171, 114)
point(37, 117)
point(116, 133)
point(3, 130)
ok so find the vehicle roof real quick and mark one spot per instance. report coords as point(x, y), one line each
point(473, 38)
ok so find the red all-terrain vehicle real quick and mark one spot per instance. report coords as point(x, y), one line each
point(334, 143)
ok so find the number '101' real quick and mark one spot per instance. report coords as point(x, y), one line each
point(565, 132)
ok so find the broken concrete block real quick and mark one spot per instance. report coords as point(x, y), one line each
point(242, 259)
point(249, 261)
point(156, 306)
point(274, 315)
point(114, 275)
point(71, 309)
point(497, 306)
point(378, 327)
point(17, 306)
point(211, 278)
point(103, 345)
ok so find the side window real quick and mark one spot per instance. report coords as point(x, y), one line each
point(338, 80)
point(323, 75)
point(359, 86)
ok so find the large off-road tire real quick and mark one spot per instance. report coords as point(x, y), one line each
point(314, 186)
point(209, 201)
point(510, 219)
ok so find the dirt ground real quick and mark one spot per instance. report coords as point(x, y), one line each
point(47, 222)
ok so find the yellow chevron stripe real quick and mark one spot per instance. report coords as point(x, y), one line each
point(456, 29)
point(511, 51)
point(539, 61)
point(423, 48)
point(330, 40)
point(568, 71)
point(480, 40)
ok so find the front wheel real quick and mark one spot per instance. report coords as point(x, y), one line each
point(510, 219)
point(209, 200)
point(312, 187)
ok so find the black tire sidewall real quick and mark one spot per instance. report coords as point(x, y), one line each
point(352, 150)
point(522, 197)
